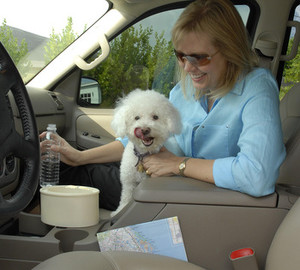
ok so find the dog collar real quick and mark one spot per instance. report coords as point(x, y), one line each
point(139, 155)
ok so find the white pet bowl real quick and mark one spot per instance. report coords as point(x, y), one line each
point(70, 206)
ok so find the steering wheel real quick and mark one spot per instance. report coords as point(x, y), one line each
point(23, 146)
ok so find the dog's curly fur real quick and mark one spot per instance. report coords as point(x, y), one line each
point(147, 118)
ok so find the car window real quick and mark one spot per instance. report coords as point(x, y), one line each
point(34, 32)
point(141, 57)
point(291, 72)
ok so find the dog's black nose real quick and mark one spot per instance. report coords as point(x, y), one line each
point(146, 131)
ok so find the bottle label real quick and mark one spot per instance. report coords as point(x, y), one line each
point(48, 136)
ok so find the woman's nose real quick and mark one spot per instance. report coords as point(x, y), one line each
point(187, 66)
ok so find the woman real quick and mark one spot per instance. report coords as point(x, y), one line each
point(229, 107)
point(231, 127)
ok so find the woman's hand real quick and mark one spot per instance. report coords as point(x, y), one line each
point(163, 163)
point(68, 154)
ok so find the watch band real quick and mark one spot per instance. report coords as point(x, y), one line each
point(182, 166)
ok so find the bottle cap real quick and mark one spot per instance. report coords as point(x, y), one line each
point(51, 127)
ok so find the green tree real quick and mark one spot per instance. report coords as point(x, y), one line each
point(162, 64)
point(291, 74)
point(134, 63)
point(17, 50)
point(58, 42)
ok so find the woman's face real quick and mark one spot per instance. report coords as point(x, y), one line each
point(205, 77)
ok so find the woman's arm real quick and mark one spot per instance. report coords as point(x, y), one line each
point(110, 152)
point(167, 164)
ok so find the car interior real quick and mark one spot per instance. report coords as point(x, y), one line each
point(214, 222)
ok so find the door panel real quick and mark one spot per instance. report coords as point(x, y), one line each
point(93, 129)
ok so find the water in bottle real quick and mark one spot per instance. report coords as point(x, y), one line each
point(49, 159)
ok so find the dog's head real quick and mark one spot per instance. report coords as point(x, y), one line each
point(147, 118)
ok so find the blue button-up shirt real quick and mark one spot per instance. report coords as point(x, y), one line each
point(242, 133)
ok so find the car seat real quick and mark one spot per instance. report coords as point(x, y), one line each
point(290, 121)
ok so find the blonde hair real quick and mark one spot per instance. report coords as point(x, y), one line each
point(220, 20)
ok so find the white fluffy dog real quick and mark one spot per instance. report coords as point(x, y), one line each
point(147, 118)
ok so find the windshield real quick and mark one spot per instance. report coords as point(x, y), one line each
point(34, 32)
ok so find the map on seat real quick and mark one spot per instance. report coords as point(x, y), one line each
point(161, 237)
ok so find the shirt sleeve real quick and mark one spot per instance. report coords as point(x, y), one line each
point(256, 167)
point(124, 140)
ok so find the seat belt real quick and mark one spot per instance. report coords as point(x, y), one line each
point(243, 259)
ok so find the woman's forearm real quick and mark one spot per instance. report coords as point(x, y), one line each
point(110, 152)
point(200, 169)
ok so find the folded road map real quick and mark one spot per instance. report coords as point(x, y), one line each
point(158, 237)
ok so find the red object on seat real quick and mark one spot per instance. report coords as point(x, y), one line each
point(243, 252)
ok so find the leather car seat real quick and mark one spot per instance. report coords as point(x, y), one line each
point(285, 248)
point(290, 121)
point(113, 260)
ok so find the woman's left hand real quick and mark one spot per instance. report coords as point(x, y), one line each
point(163, 163)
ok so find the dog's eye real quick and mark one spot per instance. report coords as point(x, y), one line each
point(137, 118)
point(155, 117)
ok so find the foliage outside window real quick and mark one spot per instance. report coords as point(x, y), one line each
point(34, 37)
point(135, 63)
point(17, 50)
point(291, 72)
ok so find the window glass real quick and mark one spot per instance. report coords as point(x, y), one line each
point(142, 57)
point(34, 32)
point(291, 73)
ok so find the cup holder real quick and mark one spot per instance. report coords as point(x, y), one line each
point(67, 238)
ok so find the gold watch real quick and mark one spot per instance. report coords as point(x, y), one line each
point(182, 166)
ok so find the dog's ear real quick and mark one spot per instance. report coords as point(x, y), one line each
point(174, 121)
point(118, 123)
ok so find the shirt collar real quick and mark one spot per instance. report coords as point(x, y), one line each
point(238, 88)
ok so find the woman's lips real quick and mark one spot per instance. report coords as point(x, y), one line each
point(197, 77)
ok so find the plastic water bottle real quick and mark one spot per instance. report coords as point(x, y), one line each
point(49, 159)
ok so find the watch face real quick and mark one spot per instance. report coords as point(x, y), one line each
point(181, 166)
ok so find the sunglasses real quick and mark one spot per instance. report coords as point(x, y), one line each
point(195, 59)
